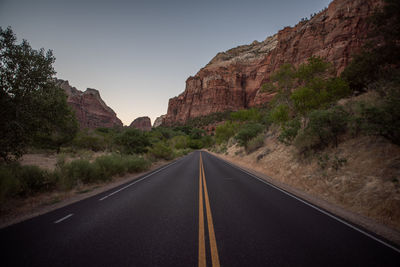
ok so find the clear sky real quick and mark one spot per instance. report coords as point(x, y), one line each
point(138, 54)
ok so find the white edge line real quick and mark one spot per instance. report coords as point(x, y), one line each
point(312, 206)
point(128, 185)
point(64, 218)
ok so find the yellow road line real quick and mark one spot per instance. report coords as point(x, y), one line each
point(202, 245)
point(211, 233)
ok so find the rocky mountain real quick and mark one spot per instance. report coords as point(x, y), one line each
point(90, 109)
point(232, 79)
point(158, 121)
point(141, 123)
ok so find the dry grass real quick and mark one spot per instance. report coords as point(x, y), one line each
point(48, 161)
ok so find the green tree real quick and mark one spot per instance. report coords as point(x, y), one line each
point(327, 125)
point(26, 81)
point(246, 115)
point(383, 119)
point(280, 114)
point(58, 122)
point(285, 80)
point(380, 57)
point(133, 141)
point(248, 132)
point(225, 131)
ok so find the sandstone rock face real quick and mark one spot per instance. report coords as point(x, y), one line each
point(232, 79)
point(141, 123)
point(90, 109)
point(159, 121)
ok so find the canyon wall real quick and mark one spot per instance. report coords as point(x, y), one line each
point(90, 110)
point(232, 79)
point(141, 123)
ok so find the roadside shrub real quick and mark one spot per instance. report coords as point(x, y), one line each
point(306, 141)
point(33, 180)
point(17, 180)
point(161, 150)
point(81, 170)
point(247, 132)
point(280, 114)
point(195, 144)
point(133, 141)
point(384, 119)
point(180, 142)
point(133, 163)
point(289, 131)
point(224, 132)
point(323, 129)
point(9, 184)
point(110, 165)
point(207, 141)
point(91, 141)
point(255, 143)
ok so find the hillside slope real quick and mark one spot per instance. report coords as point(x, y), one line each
point(232, 79)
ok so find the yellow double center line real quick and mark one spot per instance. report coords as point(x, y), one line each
point(211, 233)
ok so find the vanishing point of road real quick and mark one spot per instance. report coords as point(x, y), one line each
point(196, 211)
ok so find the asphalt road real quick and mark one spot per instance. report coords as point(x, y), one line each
point(197, 211)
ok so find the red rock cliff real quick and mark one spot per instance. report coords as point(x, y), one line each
point(232, 79)
point(141, 123)
point(90, 109)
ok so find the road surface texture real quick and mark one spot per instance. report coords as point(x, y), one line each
point(197, 211)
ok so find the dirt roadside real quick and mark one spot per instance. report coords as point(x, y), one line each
point(23, 209)
point(356, 219)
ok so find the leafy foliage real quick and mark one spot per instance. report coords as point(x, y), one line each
point(383, 119)
point(289, 131)
point(380, 58)
point(133, 141)
point(247, 115)
point(225, 131)
point(323, 129)
point(31, 105)
point(247, 132)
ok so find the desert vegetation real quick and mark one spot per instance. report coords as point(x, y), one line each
point(35, 118)
point(335, 137)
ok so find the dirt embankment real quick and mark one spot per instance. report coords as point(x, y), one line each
point(359, 180)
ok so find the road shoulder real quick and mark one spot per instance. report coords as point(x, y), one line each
point(31, 207)
point(354, 218)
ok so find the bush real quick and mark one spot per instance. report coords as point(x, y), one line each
point(384, 119)
point(81, 170)
point(255, 143)
point(161, 150)
point(225, 131)
point(247, 115)
point(180, 142)
point(280, 114)
point(195, 144)
point(133, 141)
point(33, 180)
point(289, 131)
point(323, 129)
point(110, 165)
point(91, 141)
point(248, 132)
point(9, 184)
point(17, 180)
point(136, 164)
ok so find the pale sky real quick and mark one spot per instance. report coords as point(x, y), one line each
point(138, 54)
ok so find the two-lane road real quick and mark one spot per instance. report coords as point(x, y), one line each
point(197, 211)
